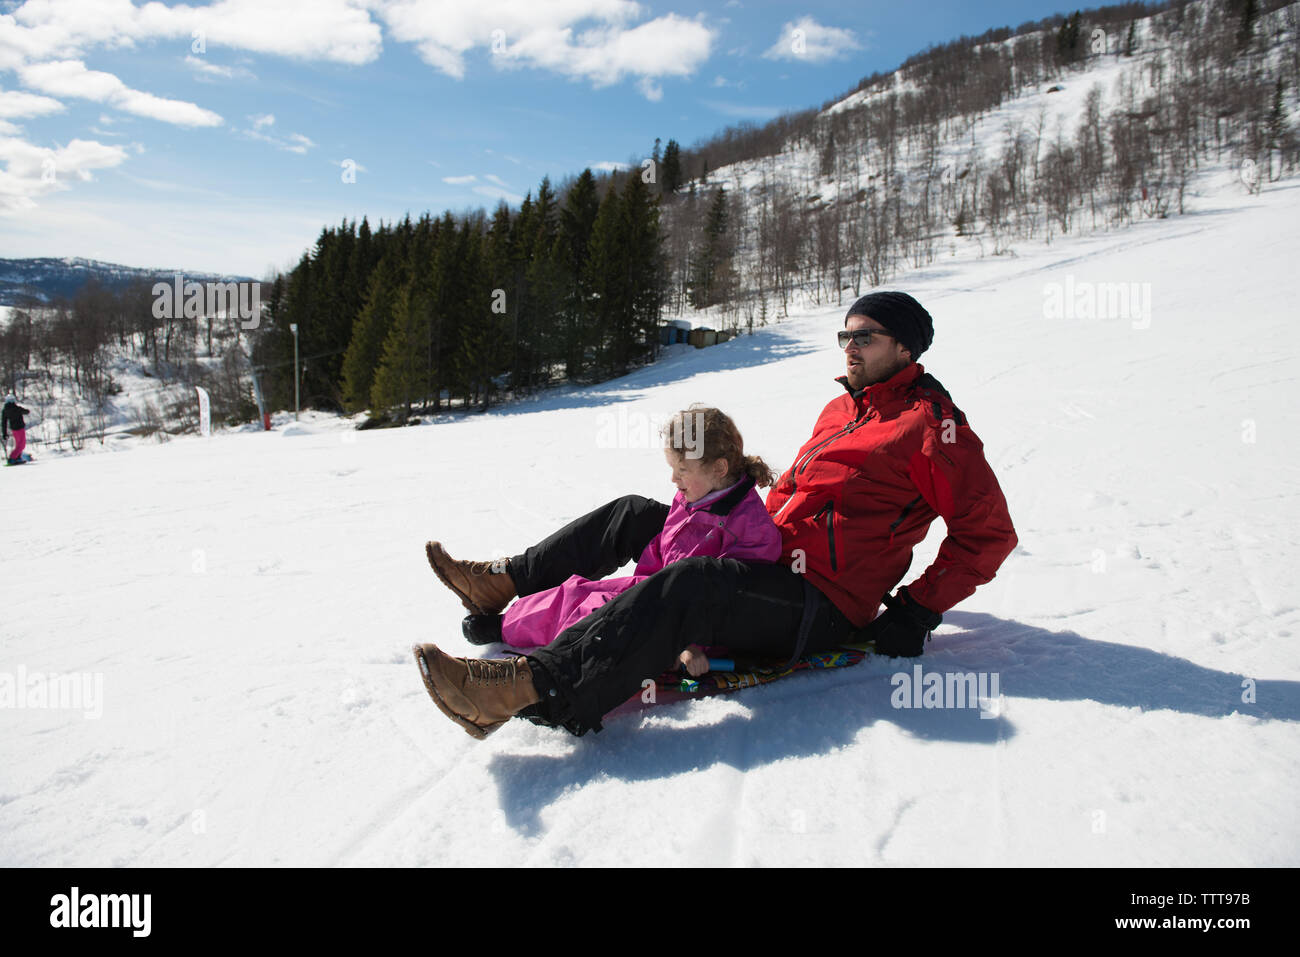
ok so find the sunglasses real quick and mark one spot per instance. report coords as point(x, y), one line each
point(859, 337)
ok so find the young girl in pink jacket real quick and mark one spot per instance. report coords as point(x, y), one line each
point(716, 513)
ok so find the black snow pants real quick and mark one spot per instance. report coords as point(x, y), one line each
point(604, 659)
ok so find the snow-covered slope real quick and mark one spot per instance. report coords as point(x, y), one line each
point(247, 603)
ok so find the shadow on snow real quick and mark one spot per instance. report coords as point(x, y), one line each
point(816, 713)
point(764, 347)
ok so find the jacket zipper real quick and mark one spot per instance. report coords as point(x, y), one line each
point(829, 512)
point(902, 515)
point(803, 461)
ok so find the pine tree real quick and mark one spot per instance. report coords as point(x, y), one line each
point(523, 353)
point(481, 336)
point(605, 269)
point(1246, 24)
point(446, 309)
point(577, 219)
point(645, 274)
point(356, 279)
point(370, 332)
point(497, 275)
point(545, 217)
point(398, 376)
point(672, 168)
point(1277, 122)
point(712, 259)
point(1067, 39)
point(330, 323)
point(546, 284)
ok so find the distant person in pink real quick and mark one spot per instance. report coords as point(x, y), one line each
point(11, 420)
point(716, 513)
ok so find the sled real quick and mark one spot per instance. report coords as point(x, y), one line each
point(753, 672)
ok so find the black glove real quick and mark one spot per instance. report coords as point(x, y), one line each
point(901, 631)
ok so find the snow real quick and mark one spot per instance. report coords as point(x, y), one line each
point(248, 601)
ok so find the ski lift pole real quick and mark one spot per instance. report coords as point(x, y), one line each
point(293, 327)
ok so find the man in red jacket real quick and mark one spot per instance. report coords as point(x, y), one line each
point(885, 458)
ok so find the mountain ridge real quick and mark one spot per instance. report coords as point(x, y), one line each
point(47, 278)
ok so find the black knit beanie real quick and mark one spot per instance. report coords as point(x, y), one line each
point(904, 317)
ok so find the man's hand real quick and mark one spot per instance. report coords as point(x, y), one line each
point(901, 631)
point(694, 661)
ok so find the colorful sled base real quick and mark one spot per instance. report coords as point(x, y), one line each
point(749, 674)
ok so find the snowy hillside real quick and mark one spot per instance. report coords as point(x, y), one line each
point(906, 171)
point(241, 609)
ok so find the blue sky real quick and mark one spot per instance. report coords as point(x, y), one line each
point(218, 136)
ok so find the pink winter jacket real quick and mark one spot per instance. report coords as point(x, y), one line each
point(730, 523)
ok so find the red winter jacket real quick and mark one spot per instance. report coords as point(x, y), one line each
point(880, 466)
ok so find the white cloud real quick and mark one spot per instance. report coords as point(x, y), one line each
point(495, 192)
point(177, 112)
point(204, 69)
point(46, 41)
point(460, 180)
point(338, 30)
point(609, 166)
point(806, 39)
point(549, 36)
point(667, 46)
point(293, 143)
point(30, 171)
point(70, 78)
point(170, 186)
point(14, 104)
point(496, 179)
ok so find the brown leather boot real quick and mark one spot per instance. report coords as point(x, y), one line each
point(479, 694)
point(485, 588)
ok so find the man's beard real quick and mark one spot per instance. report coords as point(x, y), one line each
point(860, 377)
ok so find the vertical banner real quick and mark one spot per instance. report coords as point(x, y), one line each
point(205, 412)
